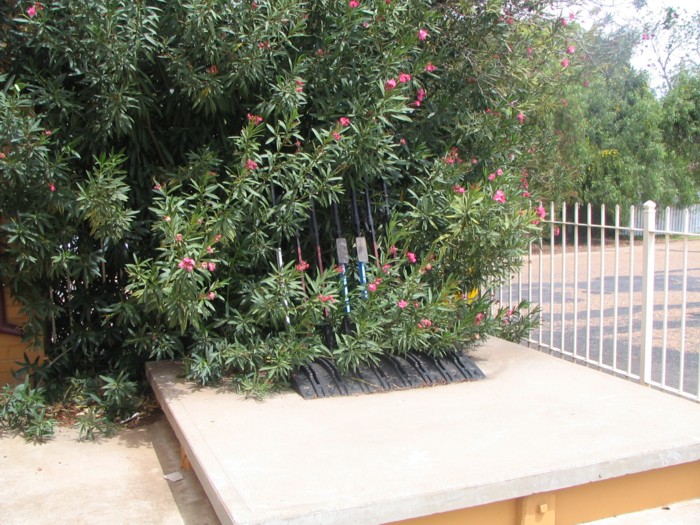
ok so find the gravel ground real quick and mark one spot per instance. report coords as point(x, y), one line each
point(596, 314)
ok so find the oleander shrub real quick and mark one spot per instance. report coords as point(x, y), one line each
point(171, 172)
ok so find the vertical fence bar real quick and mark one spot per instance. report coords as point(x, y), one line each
point(551, 286)
point(601, 314)
point(529, 281)
point(589, 249)
point(576, 208)
point(616, 283)
point(564, 285)
point(647, 291)
point(684, 300)
point(667, 262)
point(630, 311)
point(540, 274)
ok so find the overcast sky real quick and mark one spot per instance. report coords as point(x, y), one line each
point(624, 13)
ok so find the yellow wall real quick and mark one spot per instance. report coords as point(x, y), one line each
point(12, 348)
point(582, 503)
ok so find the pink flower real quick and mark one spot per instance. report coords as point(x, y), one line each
point(300, 86)
point(255, 119)
point(526, 194)
point(571, 50)
point(411, 257)
point(187, 264)
point(211, 266)
point(211, 296)
point(31, 11)
point(479, 318)
point(429, 67)
point(425, 323)
point(563, 21)
point(475, 161)
point(541, 212)
point(353, 4)
point(393, 250)
point(521, 118)
point(344, 121)
point(499, 196)
point(372, 287)
point(565, 63)
point(48, 132)
point(586, 83)
point(557, 231)
point(492, 176)
point(404, 77)
point(645, 36)
point(499, 172)
point(422, 34)
point(52, 186)
point(217, 237)
point(386, 268)
point(302, 266)
point(402, 141)
point(178, 237)
point(571, 15)
point(458, 189)
point(337, 136)
point(210, 250)
point(251, 165)
point(166, 218)
point(157, 186)
point(326, 298)
point(529, 51)
point(2, 155)
point(420, 94)
point(213, 70)
point(390, 84)
point(402, 304)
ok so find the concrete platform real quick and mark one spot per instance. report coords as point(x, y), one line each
point(537, 424)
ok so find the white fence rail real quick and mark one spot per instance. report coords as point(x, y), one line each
point(608, 299)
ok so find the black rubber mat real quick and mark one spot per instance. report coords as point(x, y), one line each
point(321, 378)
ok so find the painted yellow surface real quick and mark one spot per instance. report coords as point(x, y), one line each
point(501, 513)
point(12, 309)
point(12, 348)
point(582, 503)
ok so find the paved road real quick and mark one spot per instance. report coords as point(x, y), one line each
point(599, 307)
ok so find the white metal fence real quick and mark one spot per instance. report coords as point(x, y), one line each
point(626, 305)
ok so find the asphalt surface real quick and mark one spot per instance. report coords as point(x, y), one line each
point(594, 315)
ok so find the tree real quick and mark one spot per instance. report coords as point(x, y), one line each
point(610, 126)
point(164, 159)
point(681, 124)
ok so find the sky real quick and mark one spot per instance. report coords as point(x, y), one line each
point(624, 13)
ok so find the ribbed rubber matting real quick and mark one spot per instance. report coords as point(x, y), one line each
point(321, 378)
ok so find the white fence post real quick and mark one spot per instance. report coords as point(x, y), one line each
point(647, 291)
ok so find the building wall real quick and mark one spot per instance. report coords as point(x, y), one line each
point(12, 348)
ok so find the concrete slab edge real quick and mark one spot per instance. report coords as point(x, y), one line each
point(217, 485)
point(210, 479)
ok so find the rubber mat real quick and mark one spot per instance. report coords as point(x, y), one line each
point(322, 378)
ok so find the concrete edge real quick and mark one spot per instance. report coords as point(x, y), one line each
point(176, 413)
point(411, 505)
